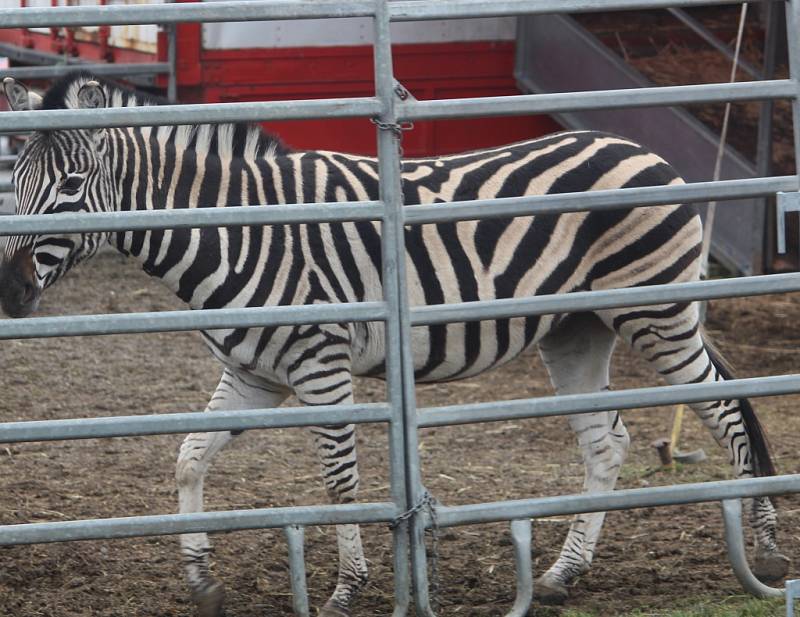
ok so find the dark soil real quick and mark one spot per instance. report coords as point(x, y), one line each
point(647, 558)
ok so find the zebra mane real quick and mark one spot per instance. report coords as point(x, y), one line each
point(240, 140)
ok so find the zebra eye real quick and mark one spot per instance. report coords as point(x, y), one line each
point(70, 185)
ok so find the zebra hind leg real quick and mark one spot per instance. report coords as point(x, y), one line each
point(196, 454)
point(577, 356)
point(670, 338)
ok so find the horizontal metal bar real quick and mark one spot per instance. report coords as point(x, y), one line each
point(448, 516)
point(236, 10)
point(249, 10)
point(636, 398)
point(598, 200)
point(412, 10)
point(414, 215)
point(204, 113)
point(203, 319)
point(580, 301)
point(578, 101)
point(78, 222)
point(192, 422)
point(407, 111)
point(57, 70)
point(168, 524)
point(81, 325)
point(34, 56)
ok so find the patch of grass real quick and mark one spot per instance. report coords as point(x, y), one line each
point(735, 606)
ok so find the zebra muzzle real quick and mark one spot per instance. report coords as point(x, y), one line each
point(19, 289)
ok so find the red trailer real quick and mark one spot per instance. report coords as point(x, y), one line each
point(257, 61)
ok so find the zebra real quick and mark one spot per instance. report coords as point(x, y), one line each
point(192, 166)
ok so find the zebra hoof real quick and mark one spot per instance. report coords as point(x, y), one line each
point(210, 600)
point(770, 566)
point(548, 590)
point(333, 609)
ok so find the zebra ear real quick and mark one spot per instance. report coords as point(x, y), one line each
point(91, 96)
point(19, 97)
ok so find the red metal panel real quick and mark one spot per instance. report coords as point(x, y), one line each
point(429, 71)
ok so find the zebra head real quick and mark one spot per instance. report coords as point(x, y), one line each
point(58, 171)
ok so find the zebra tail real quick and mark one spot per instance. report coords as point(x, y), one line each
point(759, 445)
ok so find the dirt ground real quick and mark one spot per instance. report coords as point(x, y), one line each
point(647, 558)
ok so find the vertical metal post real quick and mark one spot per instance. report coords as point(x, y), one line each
point(764, 144)
point(172, 60)
point(521, 536)
point(397, 325)
point(297, 569)
point(793, 44)
point(764, 139)
point(792, 23)
point(399, 350)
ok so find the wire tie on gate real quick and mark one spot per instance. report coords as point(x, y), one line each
point(426, 502)
point(396, 128)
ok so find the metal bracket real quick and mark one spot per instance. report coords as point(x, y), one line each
point(792, 592)
point(402, 92)
point(786, 202)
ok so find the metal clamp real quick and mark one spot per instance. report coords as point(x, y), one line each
point(786, 202)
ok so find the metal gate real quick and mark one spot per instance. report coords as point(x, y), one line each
point(410, 505)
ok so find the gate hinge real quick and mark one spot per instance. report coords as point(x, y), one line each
point(785, 202)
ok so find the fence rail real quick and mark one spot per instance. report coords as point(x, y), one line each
point(399, 412)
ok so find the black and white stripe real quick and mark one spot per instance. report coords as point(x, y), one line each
point(214, 166)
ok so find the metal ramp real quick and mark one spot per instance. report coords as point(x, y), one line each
point(555, 54)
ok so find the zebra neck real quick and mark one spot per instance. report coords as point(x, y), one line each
point(207, 268)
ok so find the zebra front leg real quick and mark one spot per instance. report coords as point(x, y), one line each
point(196, 453)
point(577, 357)
point(336, 449)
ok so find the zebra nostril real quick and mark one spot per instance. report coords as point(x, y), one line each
point(28, 293)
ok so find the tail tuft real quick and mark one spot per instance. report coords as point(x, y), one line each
point(759, 445)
